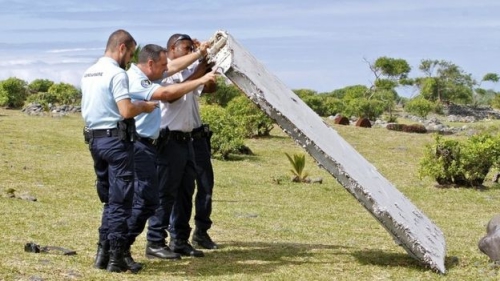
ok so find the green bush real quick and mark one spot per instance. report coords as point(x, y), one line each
point(42, 98)
point(223, 95)
point(13, 92)
point(461, 163)
point(495, 102)
point(419, 106)
point(65, 93)
point(228, 136)
point(333, 106)
point(249, 117)
point(362, 107)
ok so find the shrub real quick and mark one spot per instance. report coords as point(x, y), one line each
point(13, 92)
point(362, 107)
point(227, 136)
point(461, 163)
point(42, 98)
point(495, 102)
point(249, 116)
point(419, 106)
point(224, 93)
point(441, 160)
point(65, 93)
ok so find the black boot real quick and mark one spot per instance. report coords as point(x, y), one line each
point(131, 264)
point(116, 260)
point(158, 250)
point(102, 256)
point(183, 247)
point(203, 240)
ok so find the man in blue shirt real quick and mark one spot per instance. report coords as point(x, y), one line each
point(109, 130)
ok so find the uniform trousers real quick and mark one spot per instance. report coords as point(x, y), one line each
point(114, 168)
point(146, 188)
point(176, 175)
point(204, 183)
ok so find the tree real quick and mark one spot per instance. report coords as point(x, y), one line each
point(484, 96)
point(389, 73)
point(445, 81)
point(303, 93)
point(13, 92)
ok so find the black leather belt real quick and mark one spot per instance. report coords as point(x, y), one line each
point(179, 136)
point(201, 132)
point(147, 140)
point(103, 133)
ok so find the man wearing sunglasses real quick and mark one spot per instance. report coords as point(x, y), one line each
point(177, 169)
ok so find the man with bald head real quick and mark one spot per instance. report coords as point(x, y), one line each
point(109, 112)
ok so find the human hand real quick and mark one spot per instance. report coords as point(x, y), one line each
point(203, 48)
point(149, 106)
point(209, 77)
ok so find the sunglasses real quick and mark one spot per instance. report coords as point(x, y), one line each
point(182, 37)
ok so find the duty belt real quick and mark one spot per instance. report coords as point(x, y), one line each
point(147, 140)
point(201, 132)
point(179, 136)
point(102, 133)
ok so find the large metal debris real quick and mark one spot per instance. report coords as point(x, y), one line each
point(409, 227)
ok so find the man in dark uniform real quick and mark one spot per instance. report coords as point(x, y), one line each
point(110, 131)
point(176, 167)
point(204, 187)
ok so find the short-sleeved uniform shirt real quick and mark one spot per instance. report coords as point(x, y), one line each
point(103, 85)
point(182, 114)
point(141, 88)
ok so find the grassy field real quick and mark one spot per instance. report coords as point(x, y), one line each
point(267, 230)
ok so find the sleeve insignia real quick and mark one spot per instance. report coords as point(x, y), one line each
point(146, 83)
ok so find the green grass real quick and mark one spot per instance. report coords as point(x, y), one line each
point(267, 231)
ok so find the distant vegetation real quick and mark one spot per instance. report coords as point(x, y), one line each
point(234, 117)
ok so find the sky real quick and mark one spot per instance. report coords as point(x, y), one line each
point(320, 45)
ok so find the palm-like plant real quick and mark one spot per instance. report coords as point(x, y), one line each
point(298, 164)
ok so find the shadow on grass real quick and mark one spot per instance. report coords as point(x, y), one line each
point(272, 137)
point(244, 258)
point(381, 258)
point(239, 157)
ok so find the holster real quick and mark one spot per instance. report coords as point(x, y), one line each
point(207, 131)
point(126, 130)
point(163, 139)
point(87, 134)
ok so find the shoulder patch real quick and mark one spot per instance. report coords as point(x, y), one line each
point(146, 83)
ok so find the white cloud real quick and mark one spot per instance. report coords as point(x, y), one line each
point(74, 50)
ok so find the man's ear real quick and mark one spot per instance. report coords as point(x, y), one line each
point(123, 48)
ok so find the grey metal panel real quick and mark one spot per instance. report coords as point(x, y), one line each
point(409, 227)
